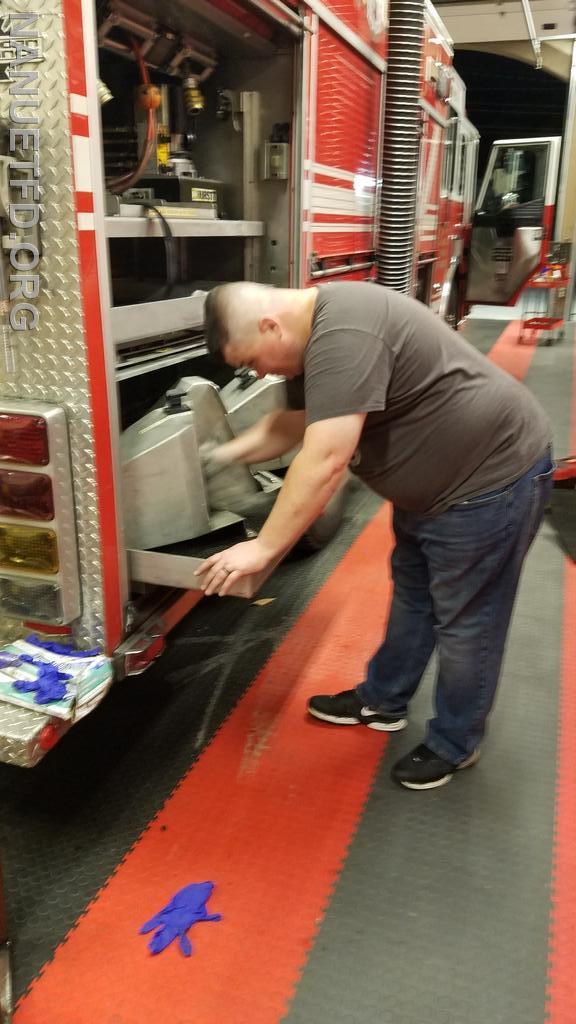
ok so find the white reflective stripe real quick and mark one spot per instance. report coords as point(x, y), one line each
point(306, 187)
point(82, 170)
point(436, 23)
point(332, 199)
point(78, 104)
point(347, 34)
point(323, 229)
point(433, 113)
point(86, 222)
point(431, 167)
point(333, 172)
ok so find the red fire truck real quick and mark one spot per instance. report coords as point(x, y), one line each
point(145, 157)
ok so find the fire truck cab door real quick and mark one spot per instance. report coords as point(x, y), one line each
point(514, 217)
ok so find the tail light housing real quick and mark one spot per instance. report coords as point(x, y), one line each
point(24, 439)
point(26, 495)
point(39, 574)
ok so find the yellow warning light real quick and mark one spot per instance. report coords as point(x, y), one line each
point(28, 549)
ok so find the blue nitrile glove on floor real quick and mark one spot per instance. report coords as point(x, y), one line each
point(185, 908)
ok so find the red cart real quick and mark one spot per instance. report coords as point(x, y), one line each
point(543, 303)
point(544, 299)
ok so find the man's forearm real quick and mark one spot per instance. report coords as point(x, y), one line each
point(307, 489)
point(272, 436)
point(312, 480)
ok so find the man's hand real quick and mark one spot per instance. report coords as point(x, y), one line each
point(220, 572)
point(214, 458)
point(273, 435)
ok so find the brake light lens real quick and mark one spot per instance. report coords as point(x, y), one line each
point(26, 495)
point(20, 598)
point(28, 549)
point(24, 439)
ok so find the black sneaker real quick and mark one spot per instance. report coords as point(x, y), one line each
point(423, 769)
point(346, 708)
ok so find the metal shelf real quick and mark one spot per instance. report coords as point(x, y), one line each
point(164, 356)
point(147, 227)
point(156, 319)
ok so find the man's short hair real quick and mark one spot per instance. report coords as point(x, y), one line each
point(215, 321)
point(244, 300)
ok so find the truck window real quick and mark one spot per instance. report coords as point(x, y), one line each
point(518, 177)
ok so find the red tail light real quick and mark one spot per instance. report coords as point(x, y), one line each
point(48, 737)
point(23, 439)
point(26, 495)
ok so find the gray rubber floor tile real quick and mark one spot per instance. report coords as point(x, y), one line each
point(441, 913)
point(483, 333)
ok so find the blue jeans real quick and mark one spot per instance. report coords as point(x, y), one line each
point(455, 581)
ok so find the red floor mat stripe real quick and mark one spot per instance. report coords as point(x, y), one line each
point(512, 356)
point(561, 1007)
point(267, 813)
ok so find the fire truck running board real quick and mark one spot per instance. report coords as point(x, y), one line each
point(178, 570)
point(26, 735)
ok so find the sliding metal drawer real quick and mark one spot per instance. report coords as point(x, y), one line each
point(177, 570)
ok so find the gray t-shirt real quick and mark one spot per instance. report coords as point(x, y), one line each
point(443, 423)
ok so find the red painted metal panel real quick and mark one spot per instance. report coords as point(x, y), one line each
point(75, 46)
point(368, 18)
point(348, 107)
point(84, 202)
point(346, 100)
point(79, 124)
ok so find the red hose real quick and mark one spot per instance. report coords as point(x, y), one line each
point(126, 180)
point(144, 73)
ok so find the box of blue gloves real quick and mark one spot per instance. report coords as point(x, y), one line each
point(55, 679)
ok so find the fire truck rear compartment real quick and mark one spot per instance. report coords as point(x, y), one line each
point(228, 213)
point(161, 268)
point(168, 497)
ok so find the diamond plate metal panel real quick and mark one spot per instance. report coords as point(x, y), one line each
point(52, 360)
point(20, 731)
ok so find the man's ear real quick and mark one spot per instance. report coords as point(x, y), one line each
point(268, 325)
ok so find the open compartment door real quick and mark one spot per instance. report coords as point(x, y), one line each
point(514, 218)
